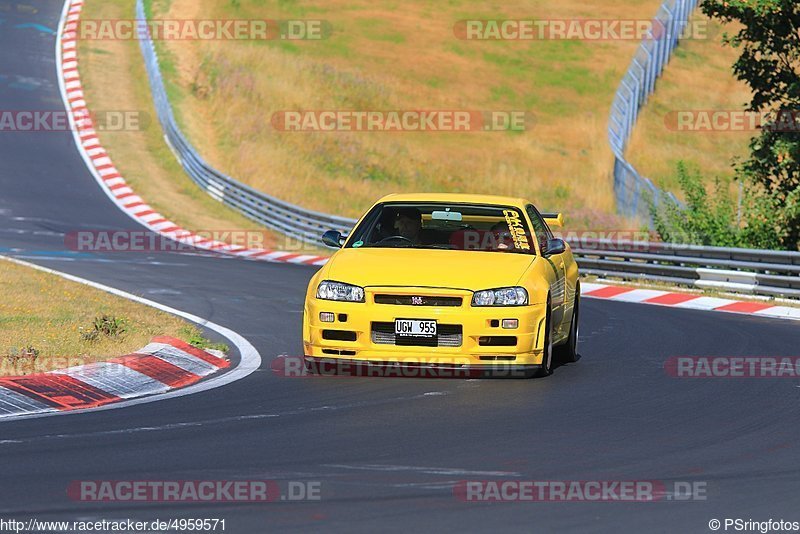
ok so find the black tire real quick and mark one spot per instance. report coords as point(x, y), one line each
point(568, 352)
point(547, 357)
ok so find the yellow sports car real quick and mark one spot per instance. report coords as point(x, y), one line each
point(439, 283)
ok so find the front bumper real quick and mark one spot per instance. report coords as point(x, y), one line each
point(361, 332)
point(389, 369)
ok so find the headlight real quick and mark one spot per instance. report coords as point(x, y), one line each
point(328, 290)
point(504, 296)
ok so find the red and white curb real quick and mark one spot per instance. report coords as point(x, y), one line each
point(165, 364)
point(688, 301)
point(109, 177)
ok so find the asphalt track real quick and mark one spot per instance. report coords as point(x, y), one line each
point(386, 451)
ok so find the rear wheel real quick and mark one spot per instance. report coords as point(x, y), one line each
point(568, 352)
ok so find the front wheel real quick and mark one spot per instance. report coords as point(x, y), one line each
point(547, 355)
point(568, 352)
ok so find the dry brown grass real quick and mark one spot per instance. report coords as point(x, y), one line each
point(49, 314)
point(382, 56)
point(699, 77)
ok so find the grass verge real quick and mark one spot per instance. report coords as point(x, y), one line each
point(698, 79)
point(380, 57)
point(384, 57)
point(47, 323)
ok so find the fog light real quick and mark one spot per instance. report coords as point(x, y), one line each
point(510, 323)
point(326, 317)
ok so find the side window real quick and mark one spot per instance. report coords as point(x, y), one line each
point(367, 230)
point(539, 228)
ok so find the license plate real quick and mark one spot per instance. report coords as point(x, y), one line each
point(415, 327)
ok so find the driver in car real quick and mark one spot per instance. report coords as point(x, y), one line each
point(408, 224)
point(398, 223)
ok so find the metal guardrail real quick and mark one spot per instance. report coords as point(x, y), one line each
point(279, 215)
point(632, 190)
point(769, 273)
point(760, 272)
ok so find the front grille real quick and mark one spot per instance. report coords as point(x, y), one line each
point(448, 335)
point(417, 300)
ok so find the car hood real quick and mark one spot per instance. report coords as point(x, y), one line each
point(454, 269)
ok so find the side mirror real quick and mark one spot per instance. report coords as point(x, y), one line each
point(332, 238)
point(556, 246)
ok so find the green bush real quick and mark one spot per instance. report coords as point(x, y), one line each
point(764, 219)
point(106, 326)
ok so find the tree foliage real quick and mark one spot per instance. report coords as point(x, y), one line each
point(769, 62)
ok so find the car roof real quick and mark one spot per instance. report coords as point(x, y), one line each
point(454, 197)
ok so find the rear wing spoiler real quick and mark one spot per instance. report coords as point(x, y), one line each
point(553, 219)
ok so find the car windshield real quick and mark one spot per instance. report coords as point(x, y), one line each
point(450, 226)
